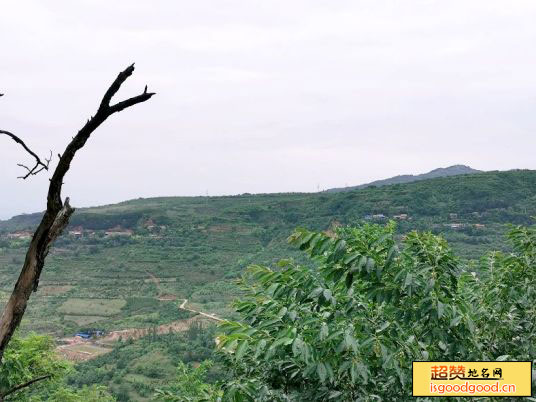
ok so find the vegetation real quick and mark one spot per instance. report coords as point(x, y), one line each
point(195, 248)
point(32, 365)
point(198, 246)
point(347, 326)
point(135, 370)
point(190, 385)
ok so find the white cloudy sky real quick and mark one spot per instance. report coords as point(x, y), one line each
point(264, 96)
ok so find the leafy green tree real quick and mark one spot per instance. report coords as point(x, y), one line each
point(28, 363)
point(32, 371)
point(505, 304)
point(190, 385)
point(93, 393)
point(348, 326)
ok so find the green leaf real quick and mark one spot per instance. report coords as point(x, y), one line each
point(315, 293)
point(362, 262)
point(321, 371)
point(242, 347)
point(409, 280)
point(455, 321)
point(440, 309)
point(324, 331)
point(297, 347)
point(351, 258)
point(327, 294)
point(363, 372)
point(383, 326)
point(334, 394)
point(370, 265)
point(260, 347)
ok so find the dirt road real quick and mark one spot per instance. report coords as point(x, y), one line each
point(211, 316)
point(79, 349)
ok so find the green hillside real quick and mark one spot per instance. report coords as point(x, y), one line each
point(129, 265)
point(194, 246)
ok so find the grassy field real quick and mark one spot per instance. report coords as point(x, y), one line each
point(92, 307)
point(83, 320)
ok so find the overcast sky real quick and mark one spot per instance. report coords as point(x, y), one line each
point(264, 96)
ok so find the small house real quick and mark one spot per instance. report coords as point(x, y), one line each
point(21, 234)
point(76, 231)
point(118, 231)
point(149, 224)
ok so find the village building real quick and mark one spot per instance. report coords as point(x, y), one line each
point(455, 225)
point(149, 224)
point(21, 234)
point(118, 231)
point(76, 231)
point(89, 334)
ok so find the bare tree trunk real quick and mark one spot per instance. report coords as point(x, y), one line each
point(57, 214)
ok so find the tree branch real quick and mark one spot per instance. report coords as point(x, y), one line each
point(39, 164)
point(104, 111)
point(57, 214)
point(26, 384)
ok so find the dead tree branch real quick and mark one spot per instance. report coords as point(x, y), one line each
point(57, 214)
point(25, 385)
point(39, 164)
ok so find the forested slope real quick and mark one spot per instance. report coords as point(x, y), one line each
point(194, 246)
point(129, 265)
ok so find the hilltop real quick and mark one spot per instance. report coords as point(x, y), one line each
point(454, 170)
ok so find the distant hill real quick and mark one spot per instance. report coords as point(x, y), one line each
point(453, 170)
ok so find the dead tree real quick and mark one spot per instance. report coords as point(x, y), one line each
point(57, 214)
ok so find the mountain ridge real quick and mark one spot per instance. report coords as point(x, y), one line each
point(27, 219)
point(454, 170)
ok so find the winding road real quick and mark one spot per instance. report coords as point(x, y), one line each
point(211, 316)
